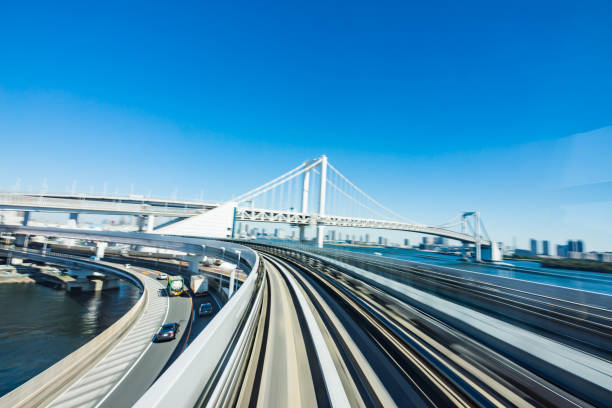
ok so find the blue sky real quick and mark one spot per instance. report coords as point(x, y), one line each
point(432, 109)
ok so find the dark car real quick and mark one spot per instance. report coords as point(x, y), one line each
point(205, 309)
point(167, 332)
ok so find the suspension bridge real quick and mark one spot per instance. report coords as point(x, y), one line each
point(313, 194)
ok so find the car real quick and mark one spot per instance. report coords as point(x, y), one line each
point(205, 309)
point(167, 332)
point(127, 266)
point(94, 258)
point(162, 276)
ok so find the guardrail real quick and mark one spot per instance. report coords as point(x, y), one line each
point(209, 371)
point(42, 388)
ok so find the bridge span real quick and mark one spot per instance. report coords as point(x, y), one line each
point(288, 199)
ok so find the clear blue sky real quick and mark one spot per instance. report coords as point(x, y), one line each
point(432, 108)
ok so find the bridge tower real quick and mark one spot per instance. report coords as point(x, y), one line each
point(321, 228)
point(305, 190)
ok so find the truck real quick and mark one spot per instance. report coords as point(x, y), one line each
point(199, 285)
point(176, 285)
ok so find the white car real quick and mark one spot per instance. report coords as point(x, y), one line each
point(162, 276)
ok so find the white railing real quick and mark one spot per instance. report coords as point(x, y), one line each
point(207, 372)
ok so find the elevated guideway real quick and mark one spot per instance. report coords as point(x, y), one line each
point(310, 329)
point(513, 365)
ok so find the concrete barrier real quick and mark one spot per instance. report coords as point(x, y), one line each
point(206, 373)
point(41, 389)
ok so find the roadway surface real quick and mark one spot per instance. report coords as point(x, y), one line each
point(132, 365)
point(157, 355)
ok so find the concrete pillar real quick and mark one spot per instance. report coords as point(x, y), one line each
point(26, 218)
point(321, 228)
point(150, 223)
point(21, 240)
point(44, 250)
point(100, 247)
point(146, 223)
point(194, 263)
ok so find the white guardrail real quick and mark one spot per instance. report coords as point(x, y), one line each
point(206, 373)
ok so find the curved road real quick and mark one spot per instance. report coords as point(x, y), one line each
point(134, 363)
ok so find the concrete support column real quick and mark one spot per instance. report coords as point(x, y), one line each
point(150, 223)
point(194, 262)
point(21, 240)
point(100, 247)
point(146, 223)
point(26, 218)
point(323, 188)
point(194, 267)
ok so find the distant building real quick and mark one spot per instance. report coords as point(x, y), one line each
point(533, 246)
point(406, 242)
point(580, 246)
point(427, 240)
point(562, 251)
point(545, 250)
point(333, 235)
point(275, 232)
point(440, 241)
point(367, 238)
point(380, 240)
point(522, 252)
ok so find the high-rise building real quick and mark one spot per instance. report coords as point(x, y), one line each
point(333, 235)
point(580, 246)
point(545, 250)
point(572, 246)
point(275, 232)
point(367, 238)
point(533, 246)
point(562, 251)
point(440, 240)
point(380, 240)
point(406, 242)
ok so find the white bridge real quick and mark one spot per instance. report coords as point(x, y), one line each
point(314, 194)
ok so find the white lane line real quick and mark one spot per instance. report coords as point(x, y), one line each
point(136, 362)
point(104, 373)
point(335, 389)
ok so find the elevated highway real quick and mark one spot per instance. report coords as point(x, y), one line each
point(326, 328)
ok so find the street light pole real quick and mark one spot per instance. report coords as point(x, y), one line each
point(232, 283)
point(222, 259)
